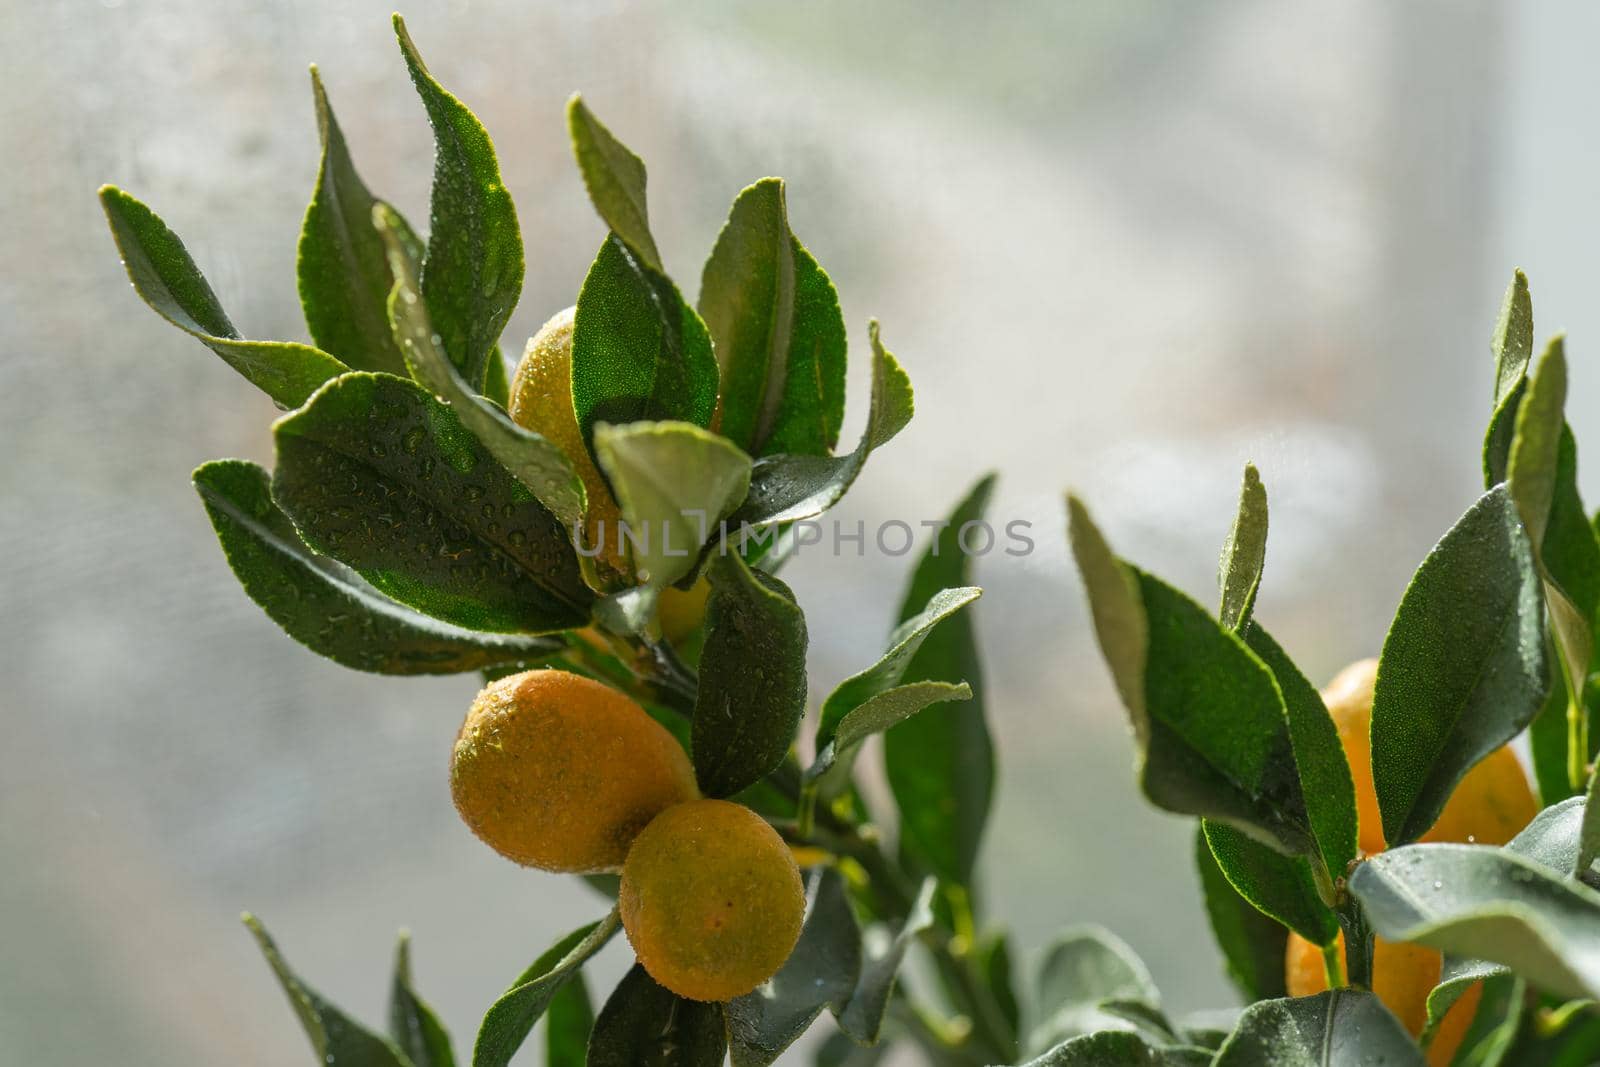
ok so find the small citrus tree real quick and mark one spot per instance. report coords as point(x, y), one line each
point(599, 536)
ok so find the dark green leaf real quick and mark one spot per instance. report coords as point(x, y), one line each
point(904, 645)
point(325, 607)
point(839, 1051)
point(615, 179)
point(1325, 781)
point(1252, 944)
point(413, 1024)
point(774, 318)
point(510, 1019)
point(1119, 1048)
point(382, 477)
point(992, 954)
point(1280, 886)
point(1082, 968)
point(1485, 903)
point(752, 678)
point(338, 1040)
point(1244, 552)
point(674, 483)
point(1146, 1019)
point(167, 279)
point(472, 275)
point(1464, 666)
point(1547, 743)
point(785, 488)
point(638, 351)
point(644, 1025)
point(1513, 338)
point(537, 463)
point(1536, 443)
point(1207, 714)
point(342, 269)
point(820, 973)
point(1341, 1028)
point(497, 382)
point(862, 1016)
point(568, 1023)
point(940, 763)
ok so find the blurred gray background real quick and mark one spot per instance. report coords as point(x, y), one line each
point(1119, 246)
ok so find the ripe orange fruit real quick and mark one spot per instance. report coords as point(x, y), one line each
point(541, 401)
point(711, 900)
point(557, 771)
point(1489, 806)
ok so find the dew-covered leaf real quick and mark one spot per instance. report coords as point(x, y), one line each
point(512, 1017)
point(644, 1025)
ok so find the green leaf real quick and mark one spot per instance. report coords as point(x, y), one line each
point(1485, 903)
point(1340, 1028)
point(674, 483)
point(1547, 743)
point(1589, 836)
point(472, 275)
point(1279, 885)
point(1252, 944)
point(786, 488)
point(1554, 837)
point(992, 954)
point(862, 1016)
point(1513, 338)
point(342, 269)
point(1119, 1048)
point(1325, 781)
point(839, 1051)
point(416, 1029)
point(1082, 968)
point(644, 1025)
point(638, 351)
point(904, 644)
point(875, 715)
point(1464, 665)
point(569, 1021)
point(615, 179)
point(1455, 978)
point(510, 1019)
point(752, 678)
point(1207, 714)
point(941, 764)
point(820, 973)
point(382, 477)
point(775, 322)
point(338, 1040)
point(1244, 552)
point(534, 461)
point(167, 279)
point(1531, 469)
point(323, 606)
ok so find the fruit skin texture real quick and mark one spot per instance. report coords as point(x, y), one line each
point(541, 401)
point(1490, 805)
point(711, 900)
point(1402, 975)
point(557, 771)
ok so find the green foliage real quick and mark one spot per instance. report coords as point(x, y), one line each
point(1279, 886)
point(863, 1014)
point(1252, 943)
point(472, 272)
point(779, 337)
point(343, 268)
point(752, 678)
point(644, 1025)
point(167, 279)
point(413, 1024)
point(940, 763)
point(1244, 553)
point(1464, 666)
point(1082, 970)
point(1342, 1026)
point(511, 1018)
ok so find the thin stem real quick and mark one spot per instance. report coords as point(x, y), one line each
point(1333, 965)
point(1357, 943)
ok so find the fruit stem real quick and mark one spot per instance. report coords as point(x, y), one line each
point(1332, 965)
point(1577, 743)
point(1357, 943)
